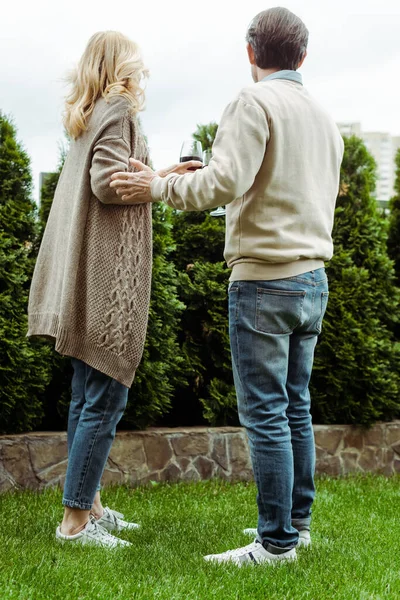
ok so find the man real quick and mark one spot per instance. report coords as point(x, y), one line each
point(275, 165)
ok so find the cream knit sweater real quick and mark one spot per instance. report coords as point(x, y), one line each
point(276, 165)
point(91, 286)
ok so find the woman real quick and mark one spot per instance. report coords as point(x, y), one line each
point(91, 287)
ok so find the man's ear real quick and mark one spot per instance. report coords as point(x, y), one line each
point(302, 60)
point(251, 55)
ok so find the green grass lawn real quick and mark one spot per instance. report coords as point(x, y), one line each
point(355, 553)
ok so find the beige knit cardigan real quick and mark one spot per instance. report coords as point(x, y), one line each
point(91, 286)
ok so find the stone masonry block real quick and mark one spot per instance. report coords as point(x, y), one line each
point(370, 460)
point(47, 451)
point(196, 444)
point(353, 438)
point(349, 462)
point(204, 466)
point(158, 452)
point(219, 452)
point(16, 461)
point(330, 466)
point(239, 455)
point(374, 436)
point(393, 433)
point(328, 438)
point(127, 453)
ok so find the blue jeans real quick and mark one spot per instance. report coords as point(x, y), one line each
point(97, 405)
point(274, 327)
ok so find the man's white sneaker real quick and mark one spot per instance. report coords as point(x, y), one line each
point(254, 553)
point(92, 534)
point(304, 537)
point(114, 521)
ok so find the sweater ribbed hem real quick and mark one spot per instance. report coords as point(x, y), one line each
point(262, 271)
point(71, 344)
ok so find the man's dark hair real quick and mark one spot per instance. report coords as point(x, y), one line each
point(279, 39)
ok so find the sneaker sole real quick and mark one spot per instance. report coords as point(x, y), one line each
point(303, 542)
point(291, 556)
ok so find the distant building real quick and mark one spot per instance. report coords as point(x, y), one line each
point(383, 148)
point(350, 128)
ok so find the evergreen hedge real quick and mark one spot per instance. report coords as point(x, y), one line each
point(394, 222)
point(185, 377)
point(24, 364)
point(356, 377)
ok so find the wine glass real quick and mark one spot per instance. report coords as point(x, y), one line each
point(191, 150)
point(207, 157)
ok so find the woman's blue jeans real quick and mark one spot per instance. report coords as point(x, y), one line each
point(97, 405)
point(274, 326)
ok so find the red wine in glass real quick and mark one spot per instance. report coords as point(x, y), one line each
point(191, 150)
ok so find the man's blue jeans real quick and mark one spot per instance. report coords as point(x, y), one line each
point(274, 327)
point(97, 405)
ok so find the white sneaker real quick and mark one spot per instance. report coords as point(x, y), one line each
point(92, 534)
point(254, 553)
point(114, 521)
point(304, 537)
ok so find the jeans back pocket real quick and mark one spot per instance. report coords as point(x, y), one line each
point(279, 311)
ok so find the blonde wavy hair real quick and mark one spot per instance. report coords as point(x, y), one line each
point(111, 65)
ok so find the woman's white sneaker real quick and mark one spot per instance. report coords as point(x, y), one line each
point(92, 534)
point(114, 521)
point(254, 554)
point(304, 537)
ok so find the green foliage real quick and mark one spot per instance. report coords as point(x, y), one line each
point(162, 366)
point(197, 236)
point(394, 223)
point(205, 342)
point(24, 370)
point(204, 335)
point(356, 376)
point(206, 134)
point(47, 195)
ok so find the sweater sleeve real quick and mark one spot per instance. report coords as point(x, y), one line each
point(238, 153)
point(111, 153)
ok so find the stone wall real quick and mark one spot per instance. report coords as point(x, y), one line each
point(38, 460)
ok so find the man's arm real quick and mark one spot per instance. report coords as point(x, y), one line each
point(238, 152)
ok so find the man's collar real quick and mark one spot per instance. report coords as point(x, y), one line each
point(286, 74)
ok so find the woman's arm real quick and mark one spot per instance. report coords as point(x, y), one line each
point(110, 154)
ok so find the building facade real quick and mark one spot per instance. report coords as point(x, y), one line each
point(383, 148)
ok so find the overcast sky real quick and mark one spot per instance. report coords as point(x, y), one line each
point(196, 55)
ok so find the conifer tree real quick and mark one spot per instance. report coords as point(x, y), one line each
point(162, 366)
point(394, 222)
point(200, 238)
point(24, 370)
point(356, 377)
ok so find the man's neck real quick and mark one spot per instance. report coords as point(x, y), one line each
point(262, 73)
